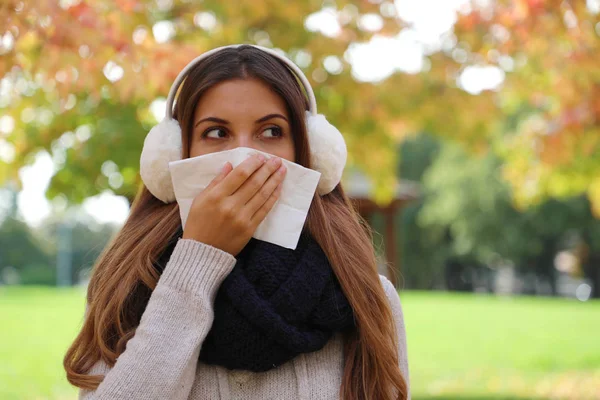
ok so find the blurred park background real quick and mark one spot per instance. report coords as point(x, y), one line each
point(473, 129)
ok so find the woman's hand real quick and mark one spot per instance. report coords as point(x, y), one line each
point(226, 214)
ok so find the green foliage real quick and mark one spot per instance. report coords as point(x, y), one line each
point(422, 250)
point(467, 197)
point(33, 252)
point(467, 214)
point(467, 200)
point(37, 274)
point(86, 237)
point(108, 160)
point(19, 248)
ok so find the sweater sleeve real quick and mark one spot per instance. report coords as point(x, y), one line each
point(396, 307)
point(160, 359)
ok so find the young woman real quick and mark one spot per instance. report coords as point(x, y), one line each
point(207, 312)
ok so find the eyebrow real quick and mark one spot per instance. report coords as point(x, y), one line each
point(225, 122)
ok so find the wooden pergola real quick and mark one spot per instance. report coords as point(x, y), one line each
point(358, 187)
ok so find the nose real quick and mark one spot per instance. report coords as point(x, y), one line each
point(244, 140)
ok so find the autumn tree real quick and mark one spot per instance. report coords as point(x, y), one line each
point(79, 79)
point(549, 49)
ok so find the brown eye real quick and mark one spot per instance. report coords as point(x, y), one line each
point(273, 132)
point(216, 133)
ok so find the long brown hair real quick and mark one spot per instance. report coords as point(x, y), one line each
point(125, 274)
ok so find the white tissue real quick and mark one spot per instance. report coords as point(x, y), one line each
point(283, 224)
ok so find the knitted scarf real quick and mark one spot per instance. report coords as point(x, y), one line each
point(275, 304)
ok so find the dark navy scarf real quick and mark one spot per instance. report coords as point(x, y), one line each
point(275, 304)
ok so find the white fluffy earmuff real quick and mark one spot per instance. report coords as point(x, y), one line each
point(163, 144)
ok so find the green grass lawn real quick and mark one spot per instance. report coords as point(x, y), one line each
point(460, 346)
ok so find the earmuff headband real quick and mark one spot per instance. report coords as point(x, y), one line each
point(293, 67)
point(163, 143)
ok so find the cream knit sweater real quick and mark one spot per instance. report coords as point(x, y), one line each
point(161, 360)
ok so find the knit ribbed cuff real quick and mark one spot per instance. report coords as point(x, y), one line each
point(197, 267)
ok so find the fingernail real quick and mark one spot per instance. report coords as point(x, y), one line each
point(282, 169)
point(261, 158)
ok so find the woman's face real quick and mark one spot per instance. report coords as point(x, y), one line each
point(241, 113)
